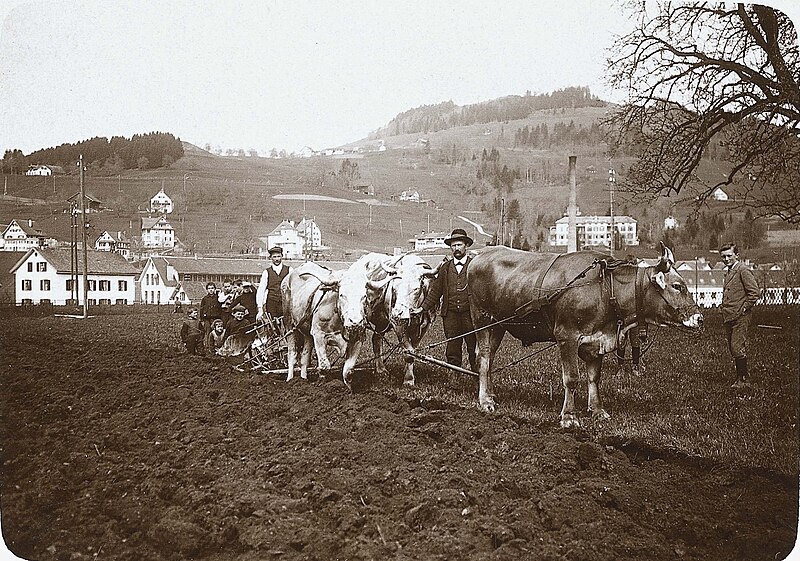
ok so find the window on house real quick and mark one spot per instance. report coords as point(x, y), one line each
point(41, 267)
point(105, 285)
point(26, 284)
point(92, 285)
point(122, 285)
point(120, 301)
point(92, 302)
point(68, 284)
point(44, 284)
point(30, 267)
point(105, 301)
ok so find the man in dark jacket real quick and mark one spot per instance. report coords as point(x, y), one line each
point(739, 294)
point(268, 296)
point(451, 286)
point(210, 309)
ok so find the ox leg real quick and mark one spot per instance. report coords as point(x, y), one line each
point(590, 354)
point(569, 376)
point(377, 350)
point(305, 358)
point(291, 353)
point(351, 356)
point(321, 348)
point(488, 342)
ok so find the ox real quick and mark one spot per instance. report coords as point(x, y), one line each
point(377, 292)
point(584, 301)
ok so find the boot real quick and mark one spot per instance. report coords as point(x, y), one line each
point(743, 380)
point(636, 353)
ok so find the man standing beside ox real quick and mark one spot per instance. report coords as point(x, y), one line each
point(739, 294)
point(268, 296)
point(451, 286)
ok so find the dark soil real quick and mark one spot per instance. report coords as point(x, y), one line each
point(115, 446)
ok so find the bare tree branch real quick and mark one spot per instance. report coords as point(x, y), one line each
point(707, 75)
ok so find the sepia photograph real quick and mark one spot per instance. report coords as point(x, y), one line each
point(399, 281)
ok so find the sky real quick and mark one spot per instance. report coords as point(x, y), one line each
point(261, 75)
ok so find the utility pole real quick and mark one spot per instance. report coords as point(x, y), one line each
point(83, 238)
point(612, 178)
point(502, 221)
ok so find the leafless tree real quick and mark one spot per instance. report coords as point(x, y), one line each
point(710, 75)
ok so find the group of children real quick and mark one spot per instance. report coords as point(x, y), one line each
point(225, 322)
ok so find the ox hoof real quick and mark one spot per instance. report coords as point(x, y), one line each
point(600, 415)
point(488, 405)
point(570, 421)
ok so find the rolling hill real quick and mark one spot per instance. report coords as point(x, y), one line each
point(224, 204)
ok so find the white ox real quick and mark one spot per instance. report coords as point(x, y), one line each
point(378, 292)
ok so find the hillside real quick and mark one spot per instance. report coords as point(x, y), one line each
point(228, 202)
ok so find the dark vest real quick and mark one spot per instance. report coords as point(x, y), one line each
point(274, 283)
point(457, 293)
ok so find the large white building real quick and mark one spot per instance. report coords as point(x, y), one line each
point(157, 233)
point(44, 170)
point(297, 240)
point(46, 276)
point(431, 240)
point(594, 231)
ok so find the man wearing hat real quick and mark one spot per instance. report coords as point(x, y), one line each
point(268, 296)
point(451, 286)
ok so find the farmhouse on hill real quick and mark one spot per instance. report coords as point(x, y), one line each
point(22, 235)
point(93, 204)
point(42, 169)
point(161, 203)
point(46, 276)
point(114, 242)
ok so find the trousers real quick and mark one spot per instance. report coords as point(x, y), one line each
point(455, 324)
point(736, 335)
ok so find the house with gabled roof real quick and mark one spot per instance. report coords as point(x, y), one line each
point(92, 203)
point(22, 235)
point(157, 232)
point(161, 202)
point(114, 242)
point(46, 276)
point(43, 169)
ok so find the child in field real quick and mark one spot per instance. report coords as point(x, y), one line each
point(217, 336)
point(238, 335)
point(192, 333)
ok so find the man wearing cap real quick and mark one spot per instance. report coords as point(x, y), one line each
point(268, 295)
point(451, 286)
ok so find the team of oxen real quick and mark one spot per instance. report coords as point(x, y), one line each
point(584, 301)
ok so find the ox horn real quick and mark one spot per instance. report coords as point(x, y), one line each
point(378, 285)
point(389, 270)
point(667, 259)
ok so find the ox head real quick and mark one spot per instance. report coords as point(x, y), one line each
point(673, 305)
point(409, 284)
point(355, 286)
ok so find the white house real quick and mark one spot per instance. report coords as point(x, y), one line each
point(432, 240)
point(157, 232)
point(22, 235)
point(296, 240)
point(410, 196)
point(45, 275)
point(670, 223)
point(44, 170)
point(114, 242)
point(161, 203)
point(594, 230)
point(719, 194)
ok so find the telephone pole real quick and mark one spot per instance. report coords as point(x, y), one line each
point(83, 238)
point(612, 178)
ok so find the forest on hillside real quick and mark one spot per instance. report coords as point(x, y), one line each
point(101, 155)
point(445, 115)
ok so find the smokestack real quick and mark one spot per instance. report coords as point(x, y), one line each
point(572, 208)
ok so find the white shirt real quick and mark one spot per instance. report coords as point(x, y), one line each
point(460, 264)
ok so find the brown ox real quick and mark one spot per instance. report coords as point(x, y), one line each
point(542, 297)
